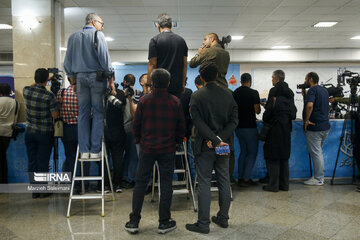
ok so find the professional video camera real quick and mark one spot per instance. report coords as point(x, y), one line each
point(351, 78)
point(332, 90)
point(55, 80)
point(111, 98)
point(128, 88)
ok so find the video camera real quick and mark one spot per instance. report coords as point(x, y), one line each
point(55, 80)
point(128, 88)
point(351, 78)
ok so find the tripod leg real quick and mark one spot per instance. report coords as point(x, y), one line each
point(310, 165)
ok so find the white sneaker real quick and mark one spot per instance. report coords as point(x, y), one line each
point(314, 182)
point(84, 155)
point(95, 155)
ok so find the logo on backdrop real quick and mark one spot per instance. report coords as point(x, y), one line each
point(52, 177)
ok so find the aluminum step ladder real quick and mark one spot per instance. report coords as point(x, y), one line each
point(187, 182)
point(83, 178)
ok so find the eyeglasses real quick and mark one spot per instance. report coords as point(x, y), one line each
point(102, 23)
point(148, 85)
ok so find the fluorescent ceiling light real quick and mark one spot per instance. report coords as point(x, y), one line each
point(355, 38)
point(237, 37)
point(118, 64)
point(6, 26)
point(63, 49)
point(325, 24)
point(109, 39)
point(281, 47)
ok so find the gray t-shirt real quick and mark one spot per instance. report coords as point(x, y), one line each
point(8, 116)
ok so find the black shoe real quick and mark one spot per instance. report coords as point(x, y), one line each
point(35, 195)
point(196, 228)
point(284, 188)
point(264, 180)
point(132, 227)
point(127, 185)
point(242, 183)
point(232, 179)
point(269, 189)
point(45, 195)
point(148, 190)
point(220, 223)
point(118, 189)
point(358, 188)
point(250, 182)
point(167, 226)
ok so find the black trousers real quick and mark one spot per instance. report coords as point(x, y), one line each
point(116, 150)
point(4, 144)
point(70, 141)
point(166, 167)
point(278, 170)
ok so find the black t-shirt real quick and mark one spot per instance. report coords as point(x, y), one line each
point(170, 50)
point(114, 127)
point(185, 102)
point(246, 98)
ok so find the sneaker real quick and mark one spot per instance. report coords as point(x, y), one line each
point(358, 188)
point(84, 155)
point(269, 189)
point(95, 155)
point(118, 189)
point(250, 182)
point(167, 227)
point(242, 183)
point(132, 227)
point(106, 190)
point(196, 228)
point(220, 223)
point(314, 182)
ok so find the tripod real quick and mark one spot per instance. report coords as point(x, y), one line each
point(351, 110)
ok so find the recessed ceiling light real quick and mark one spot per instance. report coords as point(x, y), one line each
point(6, 26)
point(237, 37)
point(281, 47)
point(118, 64)
point(355, 38)
point(109, 39)
point(324, 24)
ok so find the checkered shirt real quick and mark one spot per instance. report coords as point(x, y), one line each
point(159, 122)
point(68, 104)
point(40, 103)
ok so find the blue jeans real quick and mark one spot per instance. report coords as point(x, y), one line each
point(90, 98)
point(248, 139)
point(315, 141)
point(38, 148)
point(130, 159)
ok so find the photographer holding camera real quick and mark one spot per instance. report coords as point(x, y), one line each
point(9, 109)
point(88, 63)
point(213, 50)
point(316, 124)
point(131, 152)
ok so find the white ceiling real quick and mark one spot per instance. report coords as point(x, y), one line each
point(264, 23)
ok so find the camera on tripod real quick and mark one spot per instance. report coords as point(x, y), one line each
point(111, 98)
point(351, 78)
point(128, 88)
point(55, 80)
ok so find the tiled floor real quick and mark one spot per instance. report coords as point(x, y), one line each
point(305, 212)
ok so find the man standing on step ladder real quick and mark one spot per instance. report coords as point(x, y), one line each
point(88, 65)
point(158, 126)
point(215, 116)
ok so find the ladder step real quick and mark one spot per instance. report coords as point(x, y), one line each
point(177, 183)
point(214, 189)
point(88, 178)
point(180, 191)
point(89, 159)
point(87, 196)
point(179, 170)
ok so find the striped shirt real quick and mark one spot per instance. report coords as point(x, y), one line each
point(40, 103)
point(68, 104)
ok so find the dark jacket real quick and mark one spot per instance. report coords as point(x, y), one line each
point(279, 112)
point(214, 113)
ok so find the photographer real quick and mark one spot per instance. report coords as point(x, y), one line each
point(115, 135)
point(9, 110)
point(41, 109)
point(87, 62)
point(214, 51)
point(131, 153)
point(316, 124)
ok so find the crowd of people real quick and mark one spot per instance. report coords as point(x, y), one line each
point(141, 127)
